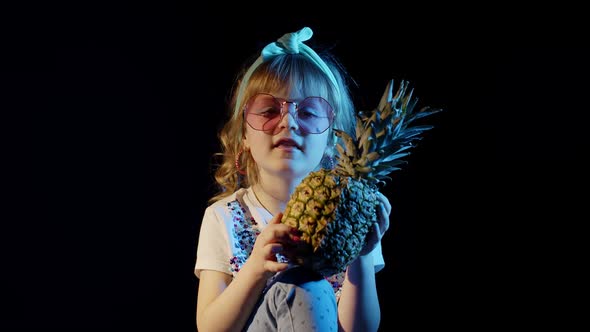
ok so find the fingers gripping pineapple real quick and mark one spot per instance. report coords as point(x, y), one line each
point(335, 209)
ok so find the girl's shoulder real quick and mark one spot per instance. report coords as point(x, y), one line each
point(236, 196)
point(239, 204)
point(239, 208)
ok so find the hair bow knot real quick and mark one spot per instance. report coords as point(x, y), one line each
point(289, 43)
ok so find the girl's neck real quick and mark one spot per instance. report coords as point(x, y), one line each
point(273, 195)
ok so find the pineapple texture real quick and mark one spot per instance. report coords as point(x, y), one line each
point(322, 208)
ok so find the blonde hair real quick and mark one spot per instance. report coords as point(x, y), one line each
point(286, 71)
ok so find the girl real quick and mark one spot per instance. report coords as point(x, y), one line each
point(270, 143)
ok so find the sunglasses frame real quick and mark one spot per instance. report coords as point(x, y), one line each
point(285, 110)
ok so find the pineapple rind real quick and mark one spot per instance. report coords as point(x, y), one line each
point(356, 216)
point(335, 234)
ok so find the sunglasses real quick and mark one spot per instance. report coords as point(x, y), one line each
point(264, 112)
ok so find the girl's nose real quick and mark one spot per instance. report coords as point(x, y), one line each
point(288, 116)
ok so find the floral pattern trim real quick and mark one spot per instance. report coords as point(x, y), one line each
point(336, 281)
point(244, 232)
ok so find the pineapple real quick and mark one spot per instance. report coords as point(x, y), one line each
point(334, 210)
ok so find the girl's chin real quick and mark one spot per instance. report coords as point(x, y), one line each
point(293, 167)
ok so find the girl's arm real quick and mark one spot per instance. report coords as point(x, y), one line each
point(226, 305)
point(358, 307)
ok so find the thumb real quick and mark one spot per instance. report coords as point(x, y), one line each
point(277, 218)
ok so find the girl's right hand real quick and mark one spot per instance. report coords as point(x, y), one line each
point(275, 238)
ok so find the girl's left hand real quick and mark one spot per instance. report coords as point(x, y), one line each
point(380, 227)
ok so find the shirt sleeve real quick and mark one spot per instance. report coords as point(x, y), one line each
point(378, 260)
point(212, 247)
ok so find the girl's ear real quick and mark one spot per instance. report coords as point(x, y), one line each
point(245, 143)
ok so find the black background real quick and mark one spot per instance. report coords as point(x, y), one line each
point(113, 112)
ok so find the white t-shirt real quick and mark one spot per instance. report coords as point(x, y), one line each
point(229, 229)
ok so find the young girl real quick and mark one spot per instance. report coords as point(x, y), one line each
point(270, 143)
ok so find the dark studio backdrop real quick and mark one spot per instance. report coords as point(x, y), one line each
point(118, 107)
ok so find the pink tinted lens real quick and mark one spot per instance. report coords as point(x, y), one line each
point(263, 112)
point(314, 115)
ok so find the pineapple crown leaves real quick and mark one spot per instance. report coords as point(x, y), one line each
point(383, 137)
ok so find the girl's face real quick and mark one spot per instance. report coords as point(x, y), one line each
point(287, 150)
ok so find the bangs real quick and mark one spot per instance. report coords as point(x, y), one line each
point(294, 71)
